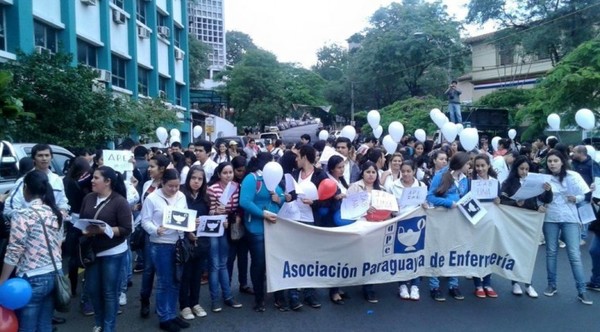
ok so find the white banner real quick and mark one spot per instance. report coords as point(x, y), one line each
point(433, 242)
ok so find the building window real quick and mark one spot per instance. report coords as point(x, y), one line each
point(2, 30)
point(87, 54)
point(506, 55)
point(119, 3)
point(177, 37)
point(141, 11)
point(143, 75)
point(178, 94)
point(45, 36)
point(162, 86)
point(161, 20)
point(118, 72)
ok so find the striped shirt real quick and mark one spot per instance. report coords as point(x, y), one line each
point(215, 192)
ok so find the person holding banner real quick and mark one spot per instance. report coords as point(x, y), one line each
point(224, 195)
point(194, 189)
point(568, 188)
point(107, 203)
point(260, 205)
point(484, 172)
point(518, 172)
point(447, 187)
point(162, 248)
point(408, 179)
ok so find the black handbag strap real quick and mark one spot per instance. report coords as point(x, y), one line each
point(47, 240)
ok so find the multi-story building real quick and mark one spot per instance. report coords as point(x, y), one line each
point(206, 23)
point(138, 46)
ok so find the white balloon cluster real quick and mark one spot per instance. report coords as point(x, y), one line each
point(163, 135)
point(197, 131)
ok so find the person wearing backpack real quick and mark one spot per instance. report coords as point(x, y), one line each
point(278, 150)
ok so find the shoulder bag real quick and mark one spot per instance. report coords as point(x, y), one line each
point(85, 253)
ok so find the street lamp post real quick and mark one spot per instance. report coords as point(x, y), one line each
point(429, 37)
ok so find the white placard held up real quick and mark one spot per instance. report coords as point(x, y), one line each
point(82, 224)
point(211, 226)
point(382, 200)
point(586, 213)
point(596, 193)
point(471, 208)
point(413, 196)
point(120, 161)
point(227, 193)
point(531, 186)
point(355, 205)
point(289, 211)
point(484, 189)
point(179, 219)
point(290, 183)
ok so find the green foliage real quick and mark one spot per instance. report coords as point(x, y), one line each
point(145, 115)
point(511, 99)
point(199, 63)
point(238, 44)
point(11, 108)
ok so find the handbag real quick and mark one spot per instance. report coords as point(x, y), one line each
point(138, 238)
point(85, 251)
point(184, 250)
point(62, 284)
point(237, 231)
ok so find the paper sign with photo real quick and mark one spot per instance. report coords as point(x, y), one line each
point(382, 200)
point(179, 219)
point(211, 226)
point(413, 196)
point(484, 189)
point(118, 160)
point(82, 224)
point(471, 208)
point(355, 205)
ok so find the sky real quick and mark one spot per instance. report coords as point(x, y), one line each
point(295, 30)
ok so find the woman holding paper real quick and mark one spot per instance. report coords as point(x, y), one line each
point(106, 203)
point(408, 179)
point(517, 173)
point(568, 188)
point(224, 195)
point(447, 187)
point(484, 172)
point(162, 248)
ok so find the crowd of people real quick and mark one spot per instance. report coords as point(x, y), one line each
point(132, 206)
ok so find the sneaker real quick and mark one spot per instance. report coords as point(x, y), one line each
point(86, 308)
point(233, 303)
point(582, 242)
point(550, 291)
point(199, 311)
point(593, 286)
point(216, 307)
point(437, 295)
point(123, 299)
point(145, 308)
point(561, 244)
point(186, 313)
point(119, 311)
point(531, 292)
point(97, 329)
point(260, 307)
point(312, 302)
point(295, 304)
point(181, 323)
point(139, 268)
point(403, 292)
point(371, 298)
point(281, 306)
point(456, 294)
point(414, 293)
point(490, 292)
point(582, 297)
point(480, 293)
point(517, 289)
point(169, 326)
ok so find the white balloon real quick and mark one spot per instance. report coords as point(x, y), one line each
point(450, 131)
point(469, 138)
point(440, 120)
point(175, 132)
point(378, 131)
point(585, 119)
point(495, 141)
point(272, 175)
point(348, 132)
point(591, 151)
point(373, 118)
point(420, 135)
point(396, 130)
point(389, 144)
point(554, 121)
point(197, 131)
point(512, 134)
point(459, 128)
point(174, 139)
point(323, 135)
point(309, 190)
point(161, 134)
point(433, 114)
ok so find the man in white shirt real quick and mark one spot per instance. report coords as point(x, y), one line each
point(201, 149)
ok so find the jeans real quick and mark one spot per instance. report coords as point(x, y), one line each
point(239, 249)
point(218, 276)
point(571, 233)
point(36, 316)
point(454, 113)
point(167, 288)
point(103, 285)
point(189, 292)
point(595, 254)
point(127, 273)
point(149, 270)
point(256, 244)
point(483, 282)
point(414, 282)
point(434, 282)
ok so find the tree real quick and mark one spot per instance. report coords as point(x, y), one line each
point(11, 108)
point(542, 27)
point(332, 62)
point(513, 99)
point(199, 63)
point(238, 44)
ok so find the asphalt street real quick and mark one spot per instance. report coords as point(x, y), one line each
point(508, 312)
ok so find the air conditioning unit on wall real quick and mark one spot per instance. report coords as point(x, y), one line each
point(179, 54)
point(164, 32)
point(118, 16)
point(143, 32)
point(103, 75)
point(89, 2)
